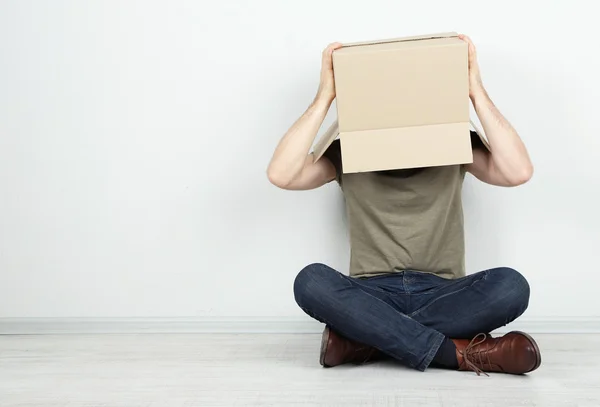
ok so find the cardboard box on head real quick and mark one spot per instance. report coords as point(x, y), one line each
point(401, 103)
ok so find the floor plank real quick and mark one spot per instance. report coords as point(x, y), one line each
point(191, 370)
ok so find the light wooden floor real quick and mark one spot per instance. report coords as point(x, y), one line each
point(188, 370)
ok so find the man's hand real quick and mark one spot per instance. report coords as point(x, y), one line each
point(292, 167)
point(475, 84)
point(508, 163)
point(326, 90)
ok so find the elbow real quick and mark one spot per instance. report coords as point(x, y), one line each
point(277, 178)
point(521, 176)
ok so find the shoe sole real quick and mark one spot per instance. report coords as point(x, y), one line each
point(324, 342)
point(537, 350)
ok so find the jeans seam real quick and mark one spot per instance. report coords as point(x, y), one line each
point(419, 360)
point(428, 274)
point(362, 286)
point(446, 295)
point(403, 315)
point(432, 352)
point(497, 300)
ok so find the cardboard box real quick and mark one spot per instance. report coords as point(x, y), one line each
point(401, 103)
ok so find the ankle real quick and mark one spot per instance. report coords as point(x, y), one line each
point(445, 356)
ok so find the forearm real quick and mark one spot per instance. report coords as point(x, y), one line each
point(508, 153)
point(291, 152)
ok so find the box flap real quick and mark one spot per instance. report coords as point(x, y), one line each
point(325, 141)
point(409, 147)
point(403, 39)
point(481, 135)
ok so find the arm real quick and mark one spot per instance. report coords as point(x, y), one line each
point(508, 163)
point(292, 166)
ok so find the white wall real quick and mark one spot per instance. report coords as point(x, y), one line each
point(134, 138)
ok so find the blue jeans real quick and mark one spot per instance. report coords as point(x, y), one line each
point(407, 314)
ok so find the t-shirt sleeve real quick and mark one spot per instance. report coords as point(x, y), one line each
point(334, 154)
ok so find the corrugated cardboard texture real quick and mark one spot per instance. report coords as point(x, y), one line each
point(402, 84)
point(409, 147)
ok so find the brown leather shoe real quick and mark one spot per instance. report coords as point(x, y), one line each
point(337, 350)
point(515, 353)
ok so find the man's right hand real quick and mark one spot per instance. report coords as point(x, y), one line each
point(292, 167)
point(327, 85)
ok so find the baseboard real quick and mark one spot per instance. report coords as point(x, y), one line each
point(238, 325)
point(156, 325)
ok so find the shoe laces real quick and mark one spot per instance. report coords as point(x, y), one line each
point(474, 359)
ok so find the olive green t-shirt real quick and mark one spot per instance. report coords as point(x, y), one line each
point(404, 219)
